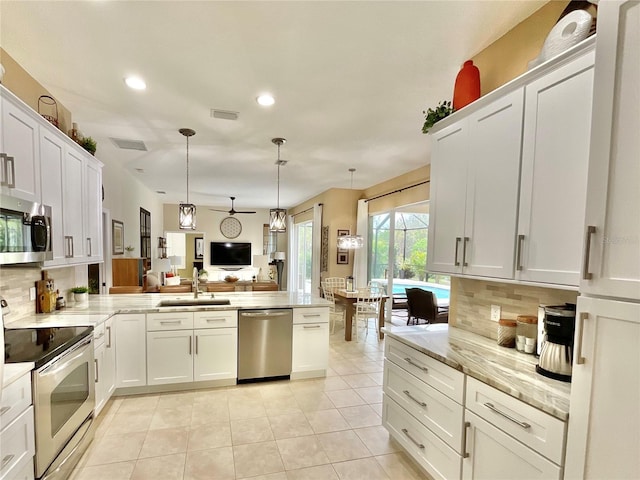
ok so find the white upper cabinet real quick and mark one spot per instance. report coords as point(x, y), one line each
point(52, 161)
point(555, 153)
point(74, 207)
point(612, 219)
point(474, 191)
point(93, 212)
point(19, 144)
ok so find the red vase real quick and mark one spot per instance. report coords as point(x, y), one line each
point(467, 87)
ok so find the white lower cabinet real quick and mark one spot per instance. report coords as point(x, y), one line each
point(216, 353)
point(310, 342)
point(131, 352)
point(105, 363)
point(169, 357)
point(492, 454)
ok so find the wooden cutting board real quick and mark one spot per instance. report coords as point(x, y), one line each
point(41, 296)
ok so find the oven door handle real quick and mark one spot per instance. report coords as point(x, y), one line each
point(75, 450)
point(67, 361)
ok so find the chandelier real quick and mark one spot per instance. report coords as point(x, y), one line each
point(350, 241)
point(187, 211)
point(278, 216)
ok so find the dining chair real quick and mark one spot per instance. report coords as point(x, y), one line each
point(367, 306)
point(422, 304)
point(335, 283)
point(336, 314)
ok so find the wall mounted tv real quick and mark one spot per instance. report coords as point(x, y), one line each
point(230, 254)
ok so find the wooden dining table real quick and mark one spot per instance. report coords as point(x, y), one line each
point(348, 300)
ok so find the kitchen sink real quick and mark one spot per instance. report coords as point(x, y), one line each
point(190, 302)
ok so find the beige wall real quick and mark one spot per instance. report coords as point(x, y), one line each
point(507, 57)
point(28, 89)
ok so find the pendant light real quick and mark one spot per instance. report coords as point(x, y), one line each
point(278, 216)
point(351, 241)
point(187, 211)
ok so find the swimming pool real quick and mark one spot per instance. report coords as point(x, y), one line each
point(399, 285)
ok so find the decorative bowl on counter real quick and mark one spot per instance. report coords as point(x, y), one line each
point(231, 278)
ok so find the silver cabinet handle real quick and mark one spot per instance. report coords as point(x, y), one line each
point(189, 344)
point(196, 344)
point(68, 240)
point(170, 322)
point(411, 362)
point(419, 445)
point(109, 337)
point(89, 254)
point(586, 275)
point(464, 252)
point(519, 266)
point(465, 453)
point(524, 425)
point(307, 315)
point(311, 326)
point(216, 319)
point(95, 361)
point(4, 410)
point(6, 460)
point(10, 183)
point(3, 172)
point(408, 394)
point(456, 262)
point(578, 353)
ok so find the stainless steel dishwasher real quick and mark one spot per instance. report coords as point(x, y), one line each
point(264, 344)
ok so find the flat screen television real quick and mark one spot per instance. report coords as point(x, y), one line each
point(230, 254)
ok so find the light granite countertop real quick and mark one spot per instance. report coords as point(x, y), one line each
point(14, 371)
point(100, 307)
point(505, 369)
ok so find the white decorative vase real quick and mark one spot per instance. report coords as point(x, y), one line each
point(81, 297)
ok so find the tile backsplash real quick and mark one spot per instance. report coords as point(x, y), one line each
point(15, 283)
point(471, 302)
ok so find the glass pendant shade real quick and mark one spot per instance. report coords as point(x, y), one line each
point(350, 241)
point(187, 216)
point(278, 220)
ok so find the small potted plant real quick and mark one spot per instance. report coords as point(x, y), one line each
point(89, 144)
point(203, 275)
point(432, 116)
point(129, 249)
point(80, 294)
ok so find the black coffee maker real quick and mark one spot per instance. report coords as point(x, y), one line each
point(556, 355)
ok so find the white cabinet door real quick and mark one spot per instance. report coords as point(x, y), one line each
point(613, 268)
point(604, 416)
point(20, 174)
point(169, 357)
point(52, 151)
point(555, 153)
point(310, 347)
point(492, 454)
point(131, 353)
point(73, 206)
point(109, 363)
point(216, 354)
point(93, 212)
point(98, 360)
point(448, 194)
point(495, 138)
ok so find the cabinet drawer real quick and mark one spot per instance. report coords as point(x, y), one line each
point(18, 444)
point(169, 321)
point(15, 399)
point(23, 473)
point(441, 461)
point(311, 315)
point(440, 376)
point(215, 319)
point(433, 409)
point(539, 431)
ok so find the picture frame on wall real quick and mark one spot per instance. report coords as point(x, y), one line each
point(199, 248)
point(343, 258)
point(342, 232)
point(117, 237)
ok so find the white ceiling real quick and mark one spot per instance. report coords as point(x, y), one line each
point(350, 80)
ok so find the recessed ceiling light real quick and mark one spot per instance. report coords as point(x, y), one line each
point(266, 100)
point(135, 82)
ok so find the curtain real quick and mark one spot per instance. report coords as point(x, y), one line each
point(292, 247)
point(316, 249)
point(361, 254)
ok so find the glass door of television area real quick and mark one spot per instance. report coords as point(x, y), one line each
point(398, 254)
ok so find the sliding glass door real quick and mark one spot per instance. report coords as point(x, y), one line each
point(303, 251)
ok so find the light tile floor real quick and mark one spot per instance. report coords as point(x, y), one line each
point(320, 429)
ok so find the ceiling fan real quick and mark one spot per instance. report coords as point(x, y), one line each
point(233, 211)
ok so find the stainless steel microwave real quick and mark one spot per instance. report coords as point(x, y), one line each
point(25, 231)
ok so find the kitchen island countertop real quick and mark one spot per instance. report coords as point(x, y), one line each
point(505, 369)
point(100, 307)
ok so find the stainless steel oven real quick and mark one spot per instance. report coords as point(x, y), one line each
point(63, 383)
point(64, 398)
point(25, 231)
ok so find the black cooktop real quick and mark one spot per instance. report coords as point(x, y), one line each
point(40, 345)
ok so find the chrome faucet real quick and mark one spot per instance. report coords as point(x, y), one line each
point(194, 283)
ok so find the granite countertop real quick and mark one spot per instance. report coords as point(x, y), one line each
point(14, 371)
point(505, 369)
point(100, 307)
